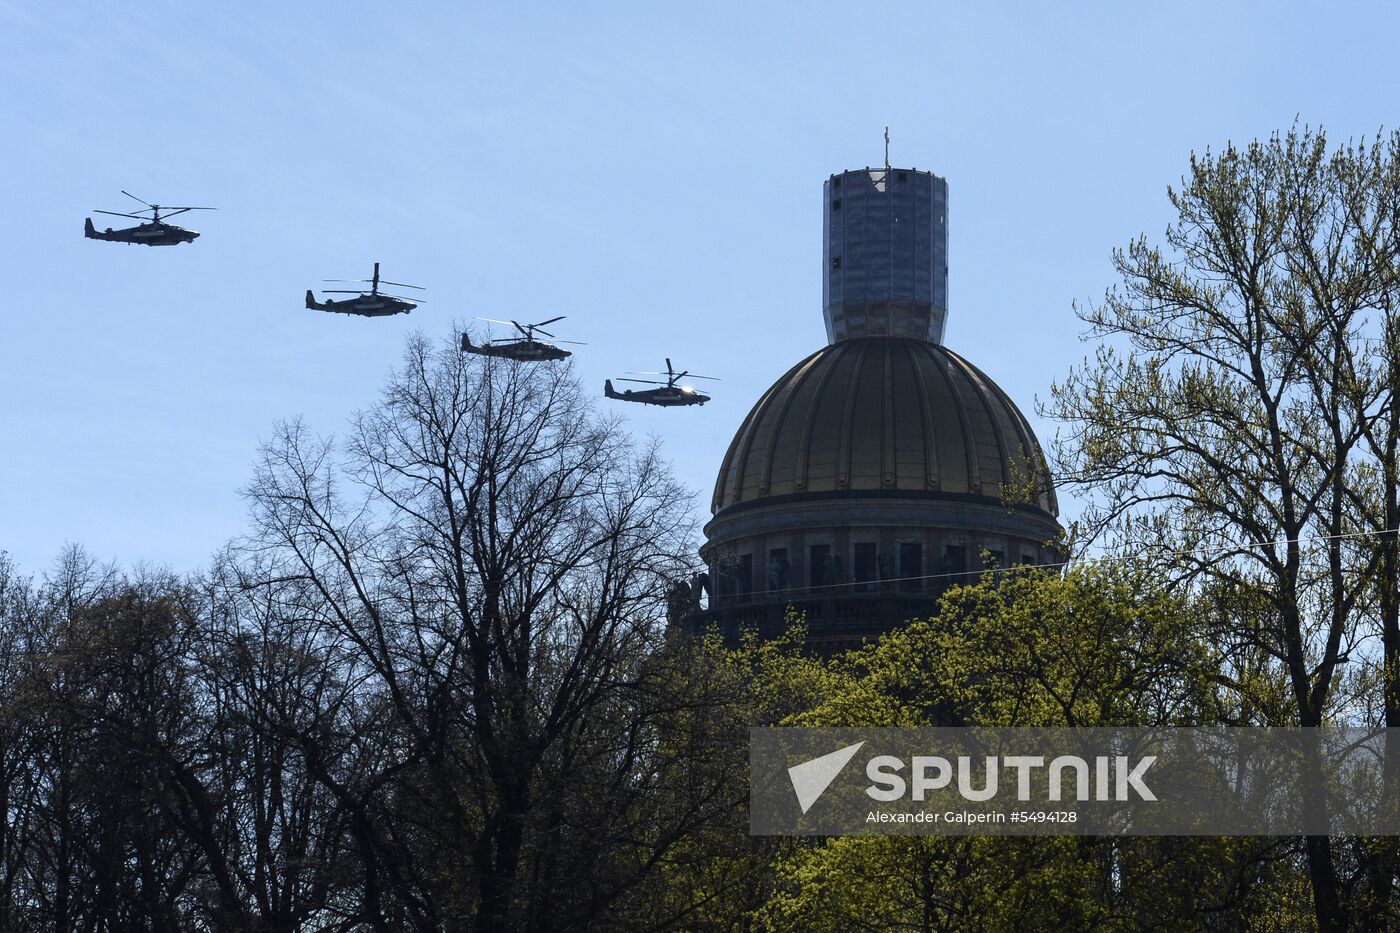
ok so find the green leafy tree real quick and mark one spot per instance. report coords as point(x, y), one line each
point(1238, 422)
point(1102, 645)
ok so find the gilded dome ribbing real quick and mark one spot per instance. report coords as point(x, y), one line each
point(885, 414)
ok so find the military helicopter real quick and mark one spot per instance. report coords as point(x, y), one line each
point(152, 232)
point(526, 348)
point(669, 396)
point(372, 303)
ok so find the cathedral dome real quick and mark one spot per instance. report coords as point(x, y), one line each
point(884, 416)
point(882, 469)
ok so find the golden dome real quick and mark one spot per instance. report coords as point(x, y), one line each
point(893, 415)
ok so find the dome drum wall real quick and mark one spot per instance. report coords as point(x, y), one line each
point(967, 515)
point(816, 549)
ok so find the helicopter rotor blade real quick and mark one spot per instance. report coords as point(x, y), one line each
point(577, 343)
point(341, 291)
point(135, 198)
point(117, 214)
point(172, 211)
point(649, 382)
point(401, 285)
point(523, 328)
point(683, 374)
point(492, 320)
point(537, 329)
point(551, 320)
point(345, 280)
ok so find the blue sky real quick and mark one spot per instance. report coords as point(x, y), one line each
point(653, 171)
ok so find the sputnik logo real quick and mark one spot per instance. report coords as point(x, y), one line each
point(811, 778)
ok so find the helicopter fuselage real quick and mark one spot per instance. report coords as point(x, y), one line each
point(364, 306)
point(152, 234)
point(666, 397)
point(525, 351)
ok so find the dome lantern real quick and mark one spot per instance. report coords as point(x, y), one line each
point(885, 254)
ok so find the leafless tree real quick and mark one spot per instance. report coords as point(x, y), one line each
point(487, 560)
